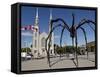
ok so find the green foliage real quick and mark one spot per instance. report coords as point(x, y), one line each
point(25, 50)
point(65, 49)
point(78, 51)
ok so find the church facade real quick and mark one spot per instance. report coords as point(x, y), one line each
point(39, 39)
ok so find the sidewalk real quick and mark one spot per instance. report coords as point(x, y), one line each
point(64, 62)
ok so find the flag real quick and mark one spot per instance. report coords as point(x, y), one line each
point(23, 28)
point(26, 27)
point(29, 27)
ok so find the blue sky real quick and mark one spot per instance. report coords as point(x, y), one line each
point(28, 18)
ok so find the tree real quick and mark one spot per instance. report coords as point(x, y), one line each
point(25, 50)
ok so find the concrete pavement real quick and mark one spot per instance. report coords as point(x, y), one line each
point(64, 62)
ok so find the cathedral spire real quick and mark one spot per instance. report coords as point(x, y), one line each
point(50, 20)
point(37, 13)
point(36, 19)
point(50, 14)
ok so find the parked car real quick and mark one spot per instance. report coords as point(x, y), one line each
point(29, 56)
point(23, 56)
point(26, 56)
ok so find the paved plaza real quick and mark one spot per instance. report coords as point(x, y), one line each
point(57, 62)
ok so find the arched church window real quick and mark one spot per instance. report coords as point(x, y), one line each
point(35, 51)
point(43, 42)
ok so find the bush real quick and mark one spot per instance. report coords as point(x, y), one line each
point(25, 50)
point(65, 49)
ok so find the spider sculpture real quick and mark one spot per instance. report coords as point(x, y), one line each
point(73, 34)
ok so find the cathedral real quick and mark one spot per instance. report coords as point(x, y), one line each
point(38, 48)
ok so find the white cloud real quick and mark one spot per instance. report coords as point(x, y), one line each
point(26, 34)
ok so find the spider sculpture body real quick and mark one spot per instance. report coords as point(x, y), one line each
point(73, 34)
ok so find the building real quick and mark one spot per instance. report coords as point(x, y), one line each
point(83, 49)
point(38, 48)
point(90, 47)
